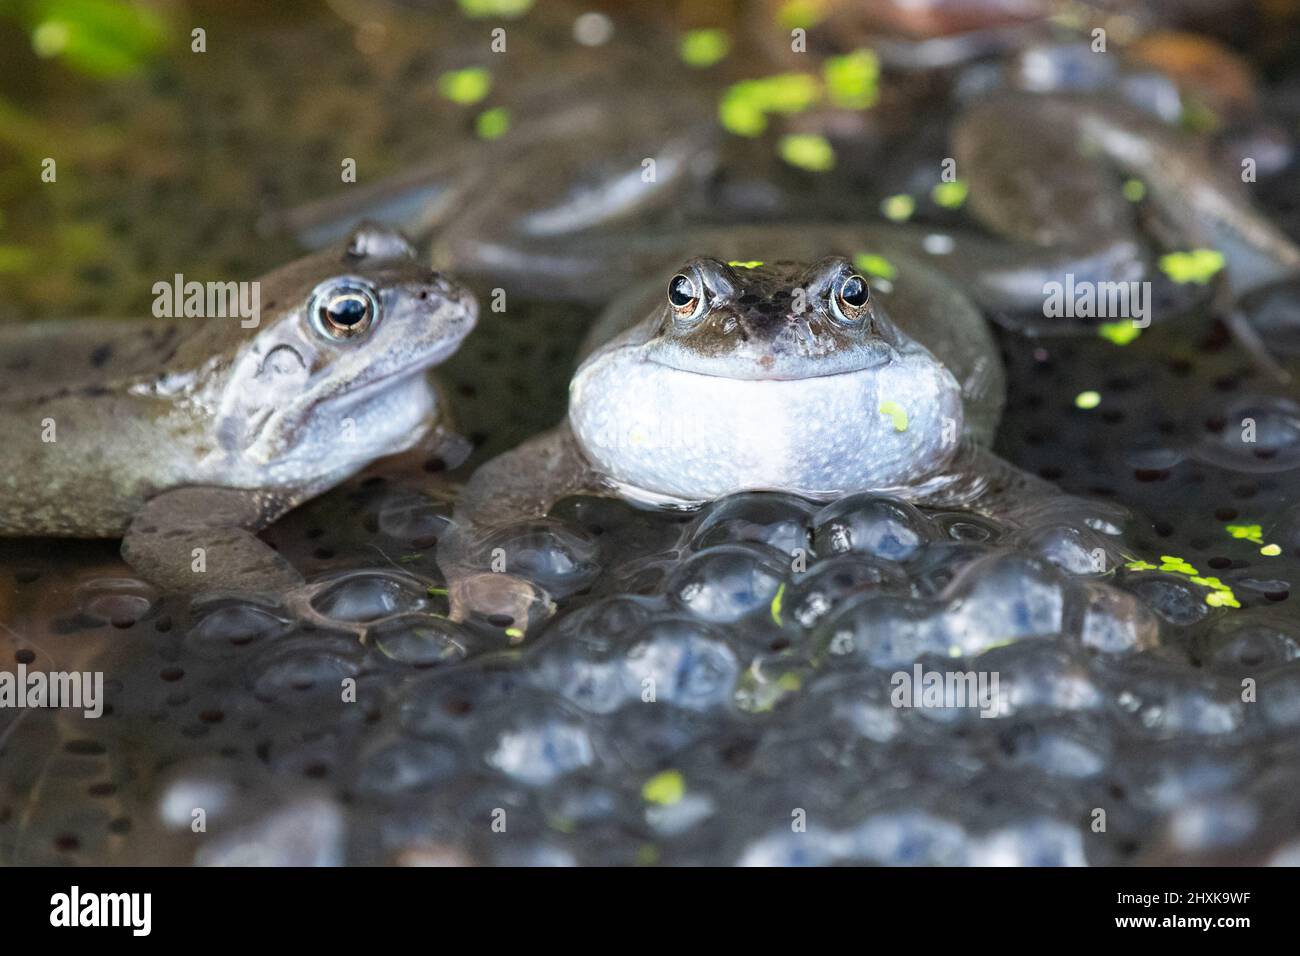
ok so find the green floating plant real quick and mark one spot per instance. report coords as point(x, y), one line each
point(1196, 265)
point(1119, 333)
point(1134, 190)
point(776, 604)
point(950, 195)
point(664, 788)
point(495, 8)
point(800, 14)
point(746, 105)
point(875, 265)
point(102, 38)
point(808, 151)
point(467, 86)
point(493, 123)
point(1220, 594)
point(898, 208)
point(705, 47)
point(853, 80)
point(1255, 535)
point(850, 81)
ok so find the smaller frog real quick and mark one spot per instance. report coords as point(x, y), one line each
point(758, 376)
point(185, 436)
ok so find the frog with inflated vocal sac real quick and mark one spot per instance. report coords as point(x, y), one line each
point(754, 376)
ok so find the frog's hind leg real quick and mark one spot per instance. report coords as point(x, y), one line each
point(517, 487)
point(198, 539)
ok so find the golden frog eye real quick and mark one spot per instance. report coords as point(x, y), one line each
point(683, 294)
point(344, 308)
point(854, 292)
point(687, 297)
point(851, 298)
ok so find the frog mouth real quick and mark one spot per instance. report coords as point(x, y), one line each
point(769, 367)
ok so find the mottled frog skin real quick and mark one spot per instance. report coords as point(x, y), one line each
point(190, 433)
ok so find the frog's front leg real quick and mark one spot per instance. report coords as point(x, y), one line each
point(512, 489)
point(200, 539)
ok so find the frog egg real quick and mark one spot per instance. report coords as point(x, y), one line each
point(680, 662)
point(1115, 621)
point(1166, 775)
point(583, 676)
point(1006, 596)
point(423, 640)
point(1040, 842)
point(306, 831)
point(884, 631)
point(301, 663)
point(815, 846)
point(405, 765)
point(1254, 434)
point(778, 521)
point(1162, 700)
point(1075, 550)
point(226, 629)
point(364, 596)
point(295, 757)
point(1068, 747)
point(870, 524)
point(1039, 678)
point(557, 557)
point(578, 657)
point(728, 583)
point(205, 783)
point(452, 701)
point(851, 705)
point(647, 742)
point(1279, 695)
point(117, 601)
point(831, 582)
point(414, 520)
point(536, 741)
point(585, 799)
point(933, 568)
point(909, 838)
point(967, 527)
point(597, 626)
point(1213, 823)
point(1171, 597)
point(1249, 641)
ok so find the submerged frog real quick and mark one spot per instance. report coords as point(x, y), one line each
point(781, 376)
point(191, 434)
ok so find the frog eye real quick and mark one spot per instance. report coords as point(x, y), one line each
point(851, 298)
point(684, 295)
point(344, 308)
